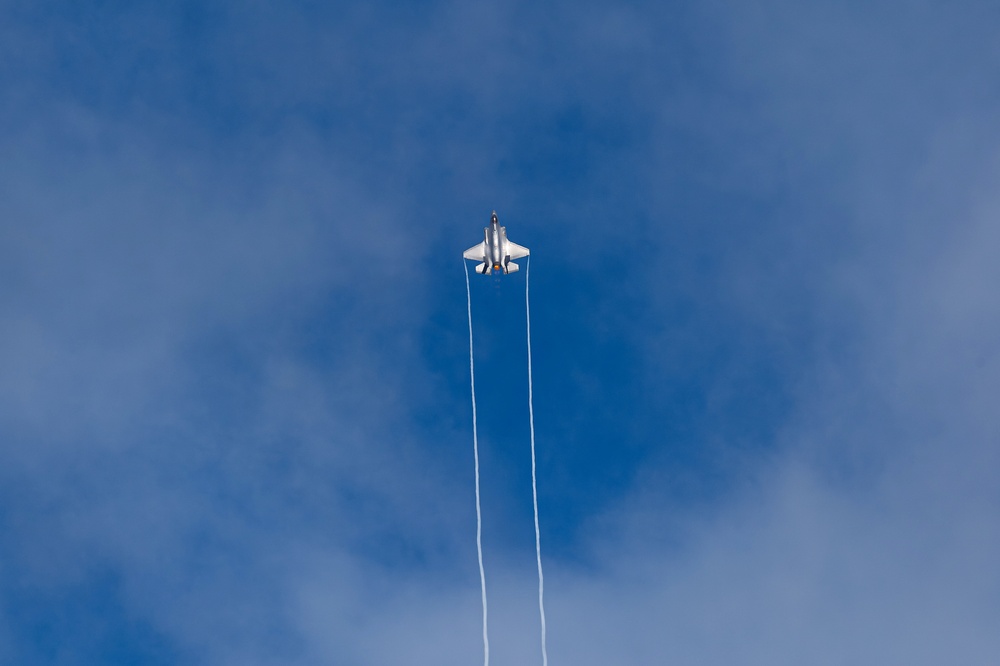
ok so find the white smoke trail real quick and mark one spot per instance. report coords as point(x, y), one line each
point(534, 484)
point(475, 449)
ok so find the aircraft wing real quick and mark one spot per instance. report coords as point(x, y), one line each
point(476, 252)
point(517, 251)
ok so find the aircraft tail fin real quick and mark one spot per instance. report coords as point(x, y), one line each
point(483, 268)
point(512, 268)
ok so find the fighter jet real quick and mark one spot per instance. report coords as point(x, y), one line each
point(496, 251)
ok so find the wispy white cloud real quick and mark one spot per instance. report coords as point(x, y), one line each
point(221, 425)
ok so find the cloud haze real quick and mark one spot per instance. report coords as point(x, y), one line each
point(234, 420)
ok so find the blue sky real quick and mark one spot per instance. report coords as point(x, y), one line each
point(234, 413)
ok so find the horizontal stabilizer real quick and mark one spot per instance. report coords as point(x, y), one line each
point(483, 268)
point(512, 268)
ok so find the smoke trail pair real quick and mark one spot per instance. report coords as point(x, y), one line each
point(534, 485)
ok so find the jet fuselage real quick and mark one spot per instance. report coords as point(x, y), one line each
point(496, 251)
point(496, 241)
